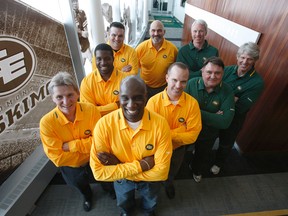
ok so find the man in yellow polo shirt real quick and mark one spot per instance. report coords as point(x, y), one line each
point(132, 147)
point(155, 56)
point(183, 115)
point(66, 134)
point(125, 57)
point(101, 87)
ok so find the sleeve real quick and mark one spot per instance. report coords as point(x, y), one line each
point(86, 92)
point(84, 145)
point(101, 143)
point(134, 63)
point(52, 146)
point(246, 100)
point(105, 109)
point(184, 58)
point(93, 62)
point(221, 121)
point(192, 129)
point(162, 156)
point(139, 54)
point(151, 105)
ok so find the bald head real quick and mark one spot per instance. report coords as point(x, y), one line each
point(133, 97)
point(157, 33)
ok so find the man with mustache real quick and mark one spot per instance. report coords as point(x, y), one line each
point(155, 56)
point(198, 50)
point(132, 147)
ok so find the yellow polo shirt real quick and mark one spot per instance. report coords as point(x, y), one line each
point(125, 56)
point(184, 118)
point(112, 134)
point(55, 130)
point(103, 94)
point(154, 64)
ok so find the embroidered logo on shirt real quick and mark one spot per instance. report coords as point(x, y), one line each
point(149, 146)
point(123, 59)
point(87, 132)
point(239, 88)
point(116, 92)
point(181, 119)
point(164, 56)
point(216, 103)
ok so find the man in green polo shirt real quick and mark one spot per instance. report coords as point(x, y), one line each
point(216, 101)
point(247, 86)
point(198, 50)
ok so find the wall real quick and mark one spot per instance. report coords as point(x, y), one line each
point(179, 11)
point(265, 128)
point(23, 105)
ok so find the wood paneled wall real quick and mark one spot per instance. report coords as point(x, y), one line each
point(266, 126)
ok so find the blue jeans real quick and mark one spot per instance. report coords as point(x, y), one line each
point(125, 193)
point(78, 177)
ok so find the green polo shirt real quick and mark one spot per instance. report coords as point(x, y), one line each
point(195, 58)
point(247, 88)
point(222, 98)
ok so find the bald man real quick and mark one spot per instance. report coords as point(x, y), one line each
point(155, 56)
point(132, 147)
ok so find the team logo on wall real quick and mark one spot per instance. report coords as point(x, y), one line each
point(17, 64)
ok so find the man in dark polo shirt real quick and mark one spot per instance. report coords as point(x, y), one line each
point(247, 86)
point(198, 50)
point(216, 101)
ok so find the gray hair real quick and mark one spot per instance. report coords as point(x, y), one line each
point(251, 49)
point(201, 22)
point(62, 79)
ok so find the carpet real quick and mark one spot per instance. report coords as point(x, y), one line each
point(213, 196)
point(169, 22)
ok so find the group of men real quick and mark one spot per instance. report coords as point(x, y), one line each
point(132, 131)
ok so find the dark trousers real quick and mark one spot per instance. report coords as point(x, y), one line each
point(203, 150)
point(227, 139)
point(175, 164)
point(78, 177)
point(153, 91)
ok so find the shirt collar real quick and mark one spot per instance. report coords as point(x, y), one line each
point(202, 86)
point(167, 102)
point(99, 77)
point(63, 120)
point(164, 44)
point(205, 45)
point(145, 121)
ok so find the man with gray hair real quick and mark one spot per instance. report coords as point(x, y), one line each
point(198, 50)
point(66, 134)
point(247, 86)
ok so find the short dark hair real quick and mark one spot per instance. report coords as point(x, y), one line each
point(117, 25)
point(104, 46)
point(214, 60)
